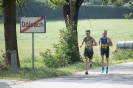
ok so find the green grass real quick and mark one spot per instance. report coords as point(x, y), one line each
point(27, 74)
point(118, 30)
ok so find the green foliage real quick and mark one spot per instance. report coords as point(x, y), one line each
point(21, 2)
point(54, 61)
point(49, 59)
point(1, 6)
point(55, 3)
point(104, 12)
point(97, 12)
point(27, 74)
point(117, 3)
point(2, 63)
point(128, 16)
point(64, 51)
point(68, 39)
point(123, 54)
point(2, 60)
point(95, 2)
point(18, 2)
point(60, 50)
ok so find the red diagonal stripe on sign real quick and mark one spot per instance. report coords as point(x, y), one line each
point(25, 29)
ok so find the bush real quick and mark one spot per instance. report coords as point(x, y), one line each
point(56, 60)
point(2, 60)
point(2, 63)
point(68, 39)
point(65, 52)
point(60, 54)
point(49, 59)
point(123, 54)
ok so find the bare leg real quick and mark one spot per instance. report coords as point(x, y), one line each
point(86, 63)
point(102, 60)
point(107, 62)
point(90, 61)
point(102, 63)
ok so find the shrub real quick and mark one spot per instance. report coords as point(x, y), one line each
point(68, 39)
point(2, 60)
point(122, 54)
point(64, 51)
point(60, 54)
point(49, 59)
point(56, 60)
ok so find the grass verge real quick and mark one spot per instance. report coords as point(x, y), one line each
point(27, 74)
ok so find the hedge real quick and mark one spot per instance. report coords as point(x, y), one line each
point(35, 9)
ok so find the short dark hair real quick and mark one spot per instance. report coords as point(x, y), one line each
point(87, 30)
point(105, 31)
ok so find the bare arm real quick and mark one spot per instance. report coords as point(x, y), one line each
point(99, 42)
point(82, 43)
point(110, 42)
point(94, 42)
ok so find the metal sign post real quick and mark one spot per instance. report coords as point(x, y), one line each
point(33, 51)
point(33, 25)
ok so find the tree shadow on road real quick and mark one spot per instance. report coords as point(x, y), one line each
point(95, 78)
point(4, 85)
point(118, 74)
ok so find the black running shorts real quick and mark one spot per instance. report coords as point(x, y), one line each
point(106, 53)
point(88, 54)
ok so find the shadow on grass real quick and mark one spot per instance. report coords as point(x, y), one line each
point(27, 74)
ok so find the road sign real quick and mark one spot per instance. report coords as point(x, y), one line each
point(33, 25)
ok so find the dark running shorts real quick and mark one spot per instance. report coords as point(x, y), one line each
point(89, 54)
point(106, 53)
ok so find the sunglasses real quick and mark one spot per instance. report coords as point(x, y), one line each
point(87, 32)
point(104, 33)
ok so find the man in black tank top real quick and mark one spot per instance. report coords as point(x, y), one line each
point(105, 42)
point(88, 52)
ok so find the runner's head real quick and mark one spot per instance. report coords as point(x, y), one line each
point(88, 33)
point(104, 33)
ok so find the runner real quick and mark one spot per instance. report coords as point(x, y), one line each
point(88, 52)
point(104, 43)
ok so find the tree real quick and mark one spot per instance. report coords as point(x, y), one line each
point(8, 7)
point(70, 11)
point(119, 3)
point(95, 2)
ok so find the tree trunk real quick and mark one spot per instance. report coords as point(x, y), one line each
point(10, 29)
point(71, 19)
point(66, 13)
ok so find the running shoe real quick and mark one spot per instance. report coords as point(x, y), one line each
point(86, 72)
point(90, 65)
point(102, 69)
point(106, 69)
